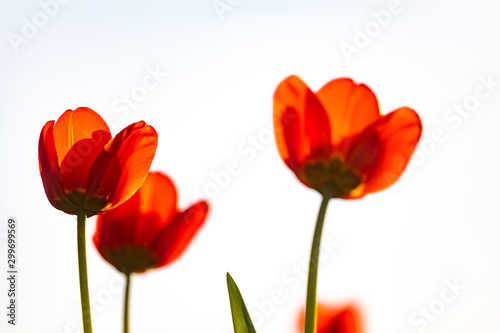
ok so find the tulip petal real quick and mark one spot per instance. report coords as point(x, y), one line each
point(343, 320)
point(49, 170)
point(363, 151)
point(139, 219)
point(350, 107)
point(79, 137)
point(334, 320)
point(301, 124)
point(317, 127)
point(288, 140)
point(398, 133)
point(123, 165)
point(116, 228)
point(172, 242)
point(147, 230)
point(115, 238)
point(157, 207)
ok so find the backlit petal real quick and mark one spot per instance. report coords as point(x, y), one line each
point(172, 242)
point(49, 170)
point(79, 137)
point(300, 122)
point(123, 165)
point(398, 132)
point(350, 107)
point(117, 227)
point(364, 152)
point(317, 128)
point(334, 320)
point(147, 230)
point(157, 206)
point(289, 139)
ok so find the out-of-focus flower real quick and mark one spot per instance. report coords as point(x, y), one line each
point(334, 320)
point(337, 136)
point(148, 230)
point(86, 171)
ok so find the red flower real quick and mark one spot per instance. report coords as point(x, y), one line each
point(338, 136)
point(148, 230)
point(334, 320)
point(83, 169)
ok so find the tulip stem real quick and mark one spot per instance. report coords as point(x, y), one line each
point(126, 303)
point(82, 268)
point(310, 316)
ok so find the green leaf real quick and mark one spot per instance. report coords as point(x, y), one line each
point(242, 322)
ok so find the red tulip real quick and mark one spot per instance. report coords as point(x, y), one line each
point(337, 136)
point(84, 170)
point(334, 320)
point(148, 230)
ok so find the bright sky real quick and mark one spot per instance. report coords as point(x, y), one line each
point(203, 74)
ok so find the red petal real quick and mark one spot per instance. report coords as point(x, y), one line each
point(317, 127)
point(300, 122)
point(172, 242)
point(344, 321)
point(398, 133)
point(79, 137)
point(116, 227)
point(140, 219)
point(149, 219)
point(123, 165)
point(289, 139)
point(157, 206)
point(363, 151)
point(350, 107)
point(334, 320)
point(49, 170)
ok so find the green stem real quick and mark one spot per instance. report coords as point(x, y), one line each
point(310, 320)
point(82, 268)
point(126, 306)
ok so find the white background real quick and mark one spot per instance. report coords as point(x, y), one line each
point(393, 251)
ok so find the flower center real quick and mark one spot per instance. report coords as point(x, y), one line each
point(317, 173)
point(131, 259)
point(91, 204)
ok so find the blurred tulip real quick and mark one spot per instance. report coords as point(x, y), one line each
point(334, 320)
point(337, 136)
point(148, 230)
